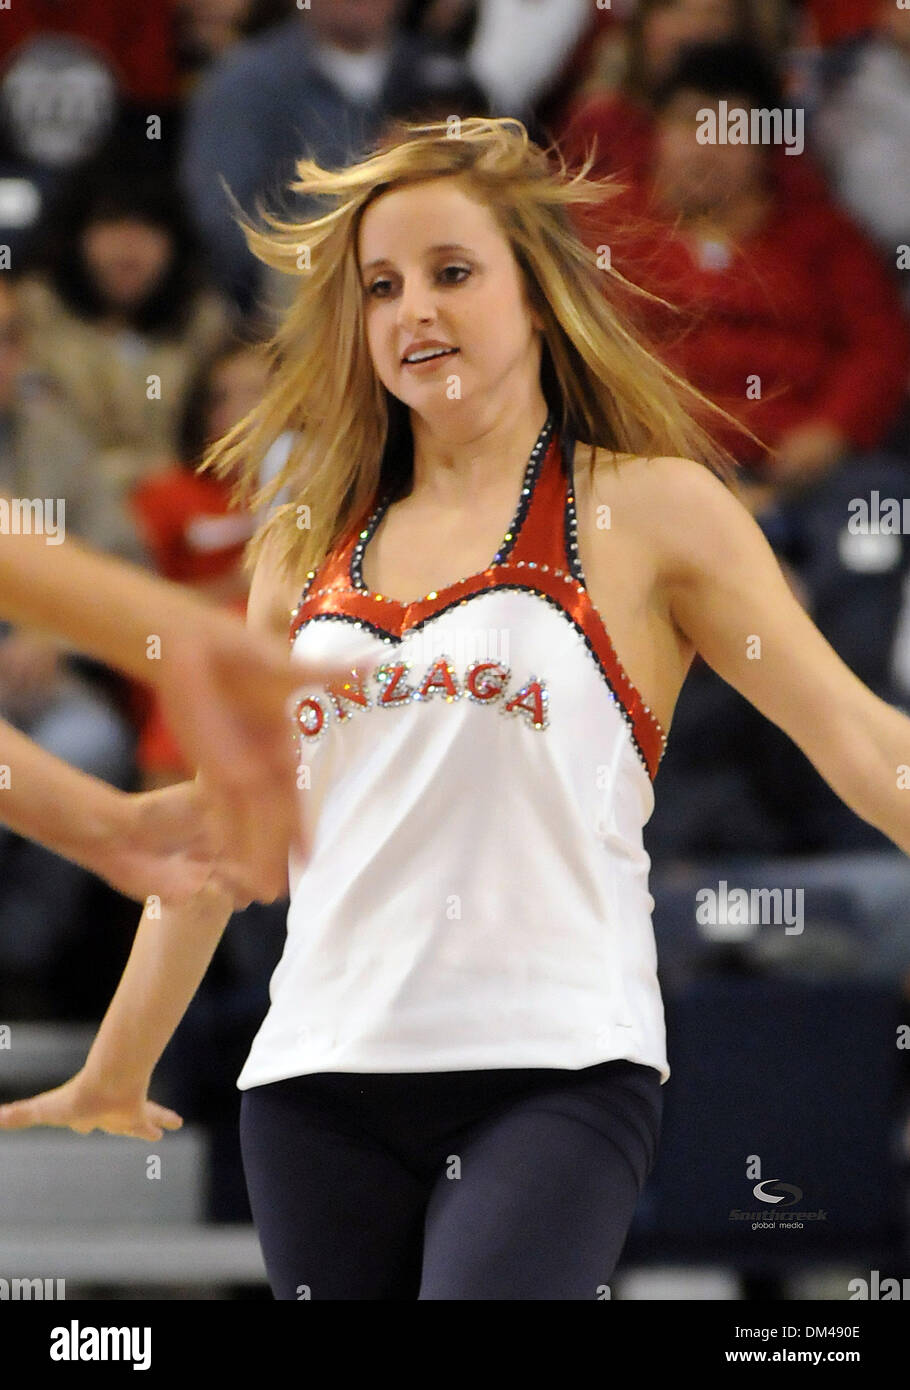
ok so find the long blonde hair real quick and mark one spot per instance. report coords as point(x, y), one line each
point(604, 384)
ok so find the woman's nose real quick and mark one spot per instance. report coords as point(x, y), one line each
point(415, 304)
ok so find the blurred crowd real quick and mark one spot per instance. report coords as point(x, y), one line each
point(132, 318)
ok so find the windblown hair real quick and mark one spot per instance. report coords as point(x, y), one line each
point(352, 437)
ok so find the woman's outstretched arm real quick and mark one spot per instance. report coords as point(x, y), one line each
point(728, 595)
point(170, 955)
point(159, 842)
point(224, 689)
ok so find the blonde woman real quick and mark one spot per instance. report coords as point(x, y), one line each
point(456, 1091)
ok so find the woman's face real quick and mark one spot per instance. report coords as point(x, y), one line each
point(678, 22)
point(126, 259)
point(435, 266)
point(238, 383)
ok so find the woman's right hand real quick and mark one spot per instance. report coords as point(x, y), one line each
point(166, 843)
point(84, 1105)
point(223, 690)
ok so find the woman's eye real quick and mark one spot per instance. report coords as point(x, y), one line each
point(458, 269)
point(380, 288)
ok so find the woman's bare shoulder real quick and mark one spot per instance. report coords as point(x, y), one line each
point(643, 471)
point(676, 511)
point(664, 485)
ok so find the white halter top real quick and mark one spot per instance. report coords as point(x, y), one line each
point(477, 890)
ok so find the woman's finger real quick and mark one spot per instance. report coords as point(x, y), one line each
point(167, 1119)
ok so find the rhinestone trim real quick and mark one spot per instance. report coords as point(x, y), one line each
point(570, 519)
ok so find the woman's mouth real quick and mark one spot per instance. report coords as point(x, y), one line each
point(427, 358)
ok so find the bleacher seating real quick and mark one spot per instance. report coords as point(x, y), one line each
point(90, 1209)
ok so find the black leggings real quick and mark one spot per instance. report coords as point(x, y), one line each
point(486, 1184)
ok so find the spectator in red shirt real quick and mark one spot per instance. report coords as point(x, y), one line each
point(621, 116)
point(188, 524)
point(618, 124)
point(791, 322)
point(788, 305)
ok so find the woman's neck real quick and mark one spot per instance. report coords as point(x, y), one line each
point(455, 469)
